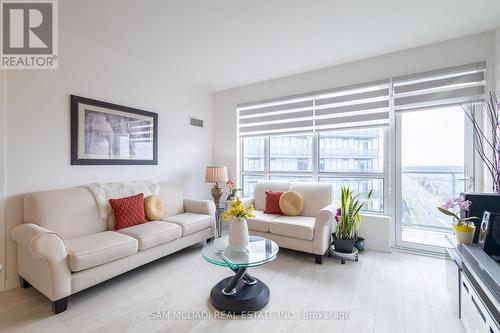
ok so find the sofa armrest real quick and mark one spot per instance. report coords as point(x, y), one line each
point(42, 260)
point(199, 206)
point(42, 242)
point(323, 229)
point(247, 201)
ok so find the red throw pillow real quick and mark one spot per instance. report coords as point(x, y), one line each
point(273, 202)
point(128, 211)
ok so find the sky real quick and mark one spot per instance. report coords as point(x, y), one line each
point(433, 137)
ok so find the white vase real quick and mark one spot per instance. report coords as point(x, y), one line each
point(238, 234)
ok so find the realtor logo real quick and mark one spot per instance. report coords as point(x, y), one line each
point(29, 34)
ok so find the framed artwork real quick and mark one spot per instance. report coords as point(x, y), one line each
point(109, 134)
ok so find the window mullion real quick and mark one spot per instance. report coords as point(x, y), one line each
point(267, 157)
point(315, 156)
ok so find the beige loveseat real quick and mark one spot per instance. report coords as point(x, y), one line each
point(64, 247)
point(309, 232)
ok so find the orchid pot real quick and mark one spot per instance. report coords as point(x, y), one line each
point(462, 228)
point(464, 234)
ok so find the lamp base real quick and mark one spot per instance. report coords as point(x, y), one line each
point(217, 194)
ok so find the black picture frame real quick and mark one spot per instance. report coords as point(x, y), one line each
point(76, 130)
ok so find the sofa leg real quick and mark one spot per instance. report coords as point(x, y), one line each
point(24, 283)
point(210, 239)
point(318, 258)
point(60, 305)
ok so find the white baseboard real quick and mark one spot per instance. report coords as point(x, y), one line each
point(377, 247)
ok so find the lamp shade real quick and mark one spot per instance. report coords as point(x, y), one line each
point(216, 174)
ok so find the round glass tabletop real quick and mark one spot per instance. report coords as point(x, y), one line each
point(259, 251)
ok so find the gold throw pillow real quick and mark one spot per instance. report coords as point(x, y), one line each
point(291, 203)
point(154, 208)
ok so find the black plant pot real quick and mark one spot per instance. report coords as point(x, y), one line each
point(343, 245)
point(360, 244)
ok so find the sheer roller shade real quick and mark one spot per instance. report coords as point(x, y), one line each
point(448, 86)
point(354, 106)
point(357, 106)
point(289, 115)
point(364, 104)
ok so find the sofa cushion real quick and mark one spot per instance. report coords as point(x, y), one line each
point(273, 202)
point(153, 233)
point(316, 196)
point(259, 192)
point(261, 221)
point(69, 212)
point(128, 211)
point(293, 226)
point(99, 248)
point(190, 222)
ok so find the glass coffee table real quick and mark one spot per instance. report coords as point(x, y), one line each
point(240, 292)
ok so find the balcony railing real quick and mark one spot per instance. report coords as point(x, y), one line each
point(424, 189)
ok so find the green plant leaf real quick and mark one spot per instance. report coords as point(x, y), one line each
point(471, 218)
point(447, 212)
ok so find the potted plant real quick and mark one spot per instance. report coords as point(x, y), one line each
point(238, 230)
point(348, 219)
point(463, 229)
point(231, 185)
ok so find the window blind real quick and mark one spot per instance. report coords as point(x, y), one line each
point(358, 106)
point(443, 87)
point(364, 104)
point(289, 115)
point(354, 106)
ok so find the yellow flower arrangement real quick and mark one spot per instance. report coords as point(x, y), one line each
point(238, 209)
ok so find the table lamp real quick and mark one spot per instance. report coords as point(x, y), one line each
point(216, 175)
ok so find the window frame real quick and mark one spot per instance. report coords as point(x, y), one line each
point(315, 174)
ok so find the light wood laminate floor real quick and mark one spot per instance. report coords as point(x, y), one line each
point(383, 292)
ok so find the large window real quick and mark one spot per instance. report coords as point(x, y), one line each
point(356, 151)
point(253, 149)
point(249, 183)
point(291, 153)
point(362, 185)
point(340, 136)
point(353, 157)
point(432, 171)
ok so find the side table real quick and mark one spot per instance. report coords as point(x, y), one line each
point(240, 292)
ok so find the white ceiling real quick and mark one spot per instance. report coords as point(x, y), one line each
point(220, 44)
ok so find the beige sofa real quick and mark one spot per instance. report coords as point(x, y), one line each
point(64, 247)
point(309, 232)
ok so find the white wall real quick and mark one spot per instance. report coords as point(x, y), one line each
point(38, 125)
point(497, 57)
point(460, 51)
point(376, 230)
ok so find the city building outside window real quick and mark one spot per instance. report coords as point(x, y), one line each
point(352, 157)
